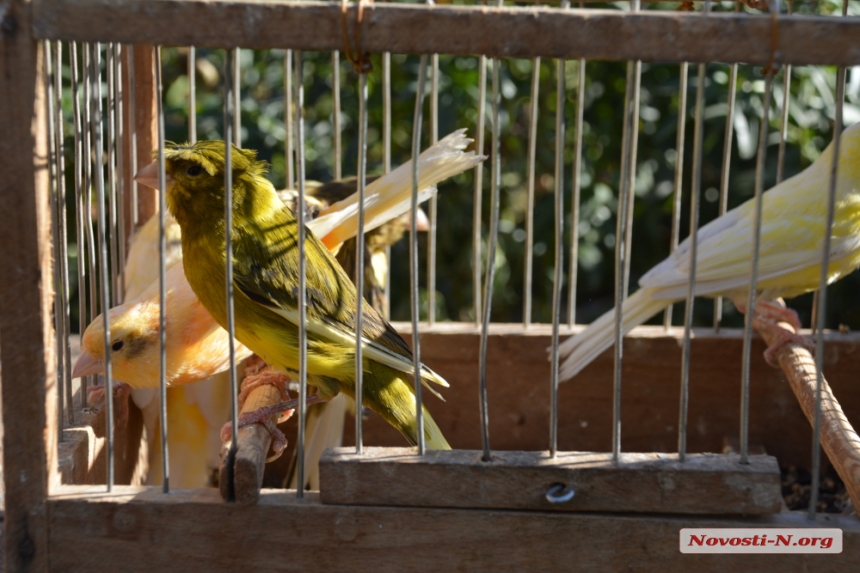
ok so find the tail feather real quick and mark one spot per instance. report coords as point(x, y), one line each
point(324, 430)
point(433, 437)
point(391, 195)
point(579, 351)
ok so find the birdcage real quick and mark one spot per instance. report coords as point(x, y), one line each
point(559, 486)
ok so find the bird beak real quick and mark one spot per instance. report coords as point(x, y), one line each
point(149, 176)
point(87, 365)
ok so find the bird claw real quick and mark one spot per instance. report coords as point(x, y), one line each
point(279, 440)
point(121, 390)
point(264, 416)
point(774, 312)
point(781, 337)
point(276, 379)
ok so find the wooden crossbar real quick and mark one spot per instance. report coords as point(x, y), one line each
point(459, 30)
point(637, 483)
point(141, 529)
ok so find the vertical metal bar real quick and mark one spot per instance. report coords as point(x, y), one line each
point(335, 112)
point(63, 254)
point(575, 192)
point(89, 86)
point(413, 251)
point(478, 188)
point(288, 119)
point(104, 283)
point(132, 136)
point(53, 169)
point(192, 94)
point(678, 187)
point(561, 98)
point(633, 142)
point(821, 299)
point(530, 194)
point(302, 302)
point(623, 233)
point(495, 178)
point(822, 289)
point(359, 259)
point(230, 56)
point(814, 314)
point(783, 126)
point(162, 274)
point(110, 67)
point(433, 203)
point(237, 97)
point(119, 295)
point(725, 169)
point(77, 112)
point(386, 162)
point(695, 195)
point(386, 112)
point(750, 310)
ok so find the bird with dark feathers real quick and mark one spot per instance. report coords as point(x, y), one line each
point(265, 266)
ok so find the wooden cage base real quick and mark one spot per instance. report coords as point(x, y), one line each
point(141, 529)
point(637, 483)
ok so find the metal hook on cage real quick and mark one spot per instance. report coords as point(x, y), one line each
point(360, 59)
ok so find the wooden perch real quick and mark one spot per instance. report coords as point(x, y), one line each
point(838, 438)
point(242, 479)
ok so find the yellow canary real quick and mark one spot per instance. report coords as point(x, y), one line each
point(792, 236)
point(265, 263)
point(386, 198)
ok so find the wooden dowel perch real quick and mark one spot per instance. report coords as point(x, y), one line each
point(243, 481)
point(838, 438)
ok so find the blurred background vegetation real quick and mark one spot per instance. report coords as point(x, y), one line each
point(811, 105)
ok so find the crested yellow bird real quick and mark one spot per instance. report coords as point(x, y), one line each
point(792, 235)
point(386, 198)
point(265, 240)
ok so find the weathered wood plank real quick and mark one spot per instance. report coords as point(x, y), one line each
point(519, 378)
point(26, 295)
point(411, 28)
point(143, 115)
point(140, 529)
point(83, 458)
point(638, 483)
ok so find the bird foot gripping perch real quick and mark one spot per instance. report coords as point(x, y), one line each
point(768, 315)
point(257, 374)
point(121, 390)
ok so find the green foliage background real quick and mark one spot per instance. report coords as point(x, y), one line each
point(811, 104)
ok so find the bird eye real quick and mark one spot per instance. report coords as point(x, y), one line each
point(194, 170)
point(117, 346)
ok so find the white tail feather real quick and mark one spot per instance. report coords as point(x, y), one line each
point(578, 351)
point(391, 195)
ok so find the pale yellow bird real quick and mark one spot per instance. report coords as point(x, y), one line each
point(792, 236)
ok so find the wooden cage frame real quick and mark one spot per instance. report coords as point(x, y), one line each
point(54, 527)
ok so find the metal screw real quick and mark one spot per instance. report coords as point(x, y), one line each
point(559, 493)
